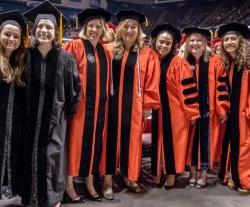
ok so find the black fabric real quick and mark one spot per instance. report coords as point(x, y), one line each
point(50, 81)
point(50, 64)
point(113, 118)
point(88, 134)
point(13, 145)
point(189, 91)
point(127, 102)
point(201, 136)
point(192, 100)
point(232, 134)
point(154, 150)
point(222, 88)
point(187, 81)
point(89, 111)
point(4, 93)
point(223, 79)
point(223, 98)
point(166, 123)
point(103, 70)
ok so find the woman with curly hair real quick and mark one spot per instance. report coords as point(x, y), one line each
point(134, 92)
point(12, 103)
point(235, 57)
point(88, 125)
point(210, 93)
point(165, 38)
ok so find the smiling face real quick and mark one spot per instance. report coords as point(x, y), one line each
point(196, 45)
point(163, 44)
point(231, 44)
point(45, 31)
point(10, 38)
point(94, 29)
point(129, 31)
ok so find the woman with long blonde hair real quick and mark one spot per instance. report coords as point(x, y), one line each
point(235, 55)
point(209, 75)
point(88, 125)
point(12, 64)
point(134, 92)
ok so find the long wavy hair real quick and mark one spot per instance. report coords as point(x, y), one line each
point(107, 34)
point(13, 68)
point(119, 46)
point(241, 55)
point(174, 43)
point(206, 53)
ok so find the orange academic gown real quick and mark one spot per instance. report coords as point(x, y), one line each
point(237, 134)
point(135, 87)
point(88, 125)
point(162, 154)
point(183, 103)
point(213, 103)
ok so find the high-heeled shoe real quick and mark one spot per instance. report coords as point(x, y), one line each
point(192, 183)
point(95, 197)
point(77, 199)
point(243, 191)
point(200, 186)
point(108, 194)
point(133, 187)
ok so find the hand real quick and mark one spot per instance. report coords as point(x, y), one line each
point(146, 114)
point(223, 119)
point(192, 122)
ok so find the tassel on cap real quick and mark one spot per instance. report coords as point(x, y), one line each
point(60, 30)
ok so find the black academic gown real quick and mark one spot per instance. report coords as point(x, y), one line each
point(53, 92)
point(11, 135)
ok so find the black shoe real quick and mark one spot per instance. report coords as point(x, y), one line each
point(77, 199)
point(96, 197)
point(169, 187)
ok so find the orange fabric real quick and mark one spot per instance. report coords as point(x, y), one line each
point(181, 114)
point(150, 77)
point(149, 98)
point(182, 132)
point(76, 128)
point(244, 122)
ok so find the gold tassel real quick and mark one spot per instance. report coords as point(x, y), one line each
point(60, 30)
point(212, 34)
point(27, 38)
point(77, 23)
point(146, 22)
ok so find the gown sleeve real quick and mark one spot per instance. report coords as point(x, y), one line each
point(151, 96)
point(72, 86)
point(180, 78)
point(222, 96)
point(248, 98)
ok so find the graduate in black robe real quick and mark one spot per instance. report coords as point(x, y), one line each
point(12, 88)
point(53, 91)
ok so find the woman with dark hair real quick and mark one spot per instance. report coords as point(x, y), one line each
point(12, 64)
point(88, 125)
point(235, 55)
point(209, 75)
point(134, 92)
point(165, 39)
point(53, 89)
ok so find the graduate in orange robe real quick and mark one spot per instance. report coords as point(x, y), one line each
point(237, 136)
point(165, 40)
point(88, 124)
point(210, 76)
point(134, 91)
